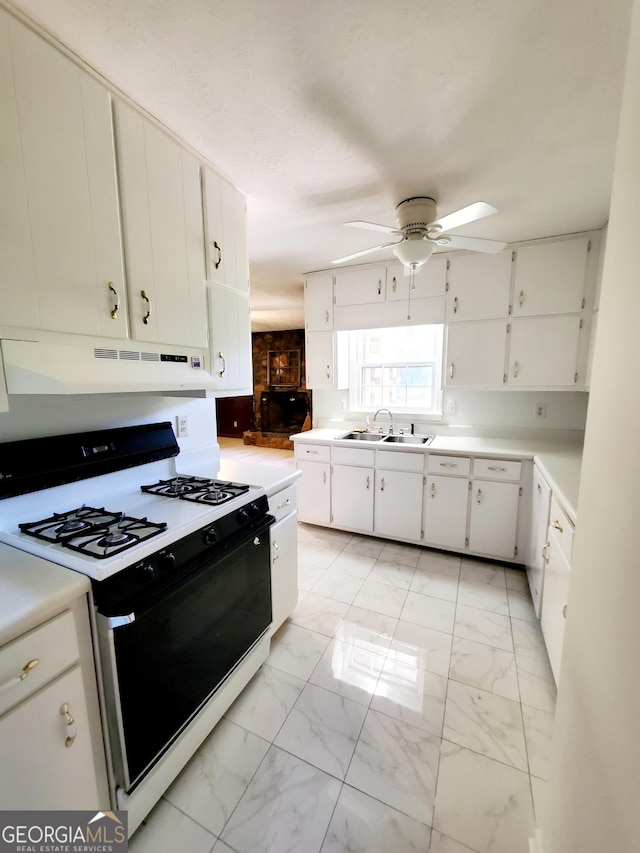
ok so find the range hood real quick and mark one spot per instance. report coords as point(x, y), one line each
point(49, 363)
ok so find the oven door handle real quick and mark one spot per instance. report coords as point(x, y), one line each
point(119, 621)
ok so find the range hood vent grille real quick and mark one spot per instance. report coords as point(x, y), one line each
point(105, 353)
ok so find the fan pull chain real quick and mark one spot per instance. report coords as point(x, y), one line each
point(411, 287)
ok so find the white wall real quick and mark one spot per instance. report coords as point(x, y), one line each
point(593, 802)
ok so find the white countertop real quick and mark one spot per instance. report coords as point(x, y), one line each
point(272, 478)
point(559, 463)
point(33, 590)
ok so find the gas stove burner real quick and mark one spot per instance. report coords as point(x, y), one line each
point(197, 489)
point(215, 496)
point(95, 532)
point(176, 486)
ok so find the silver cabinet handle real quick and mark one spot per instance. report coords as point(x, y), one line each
point(455, 304)
point(539, 489)
point(433, 491)
point(479, 496)
point(312, 452)
point(545, 551)
point(382, 485)
point(114, 310)
point(452, 370)
point(145, 319)
point(379, 286)
point(324, 476)
point(277, 556)
point(557, 526)
point(564, 612)
point(284, 504)
point(516, 369)
point(224, 364)
point(448, 464)
point(521, 299)
point(219, 251)
point(326, 316)
point(368, 481)
point(71, 725)
point(26, 669)
point(496, 468)
point(394, 285)
point(328, 371)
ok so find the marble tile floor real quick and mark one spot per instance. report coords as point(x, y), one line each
point(406, 705)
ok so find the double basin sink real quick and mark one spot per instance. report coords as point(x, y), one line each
point(390, 439)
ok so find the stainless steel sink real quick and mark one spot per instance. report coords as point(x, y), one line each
point(409, 439)
point(362, 436)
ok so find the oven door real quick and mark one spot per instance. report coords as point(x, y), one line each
point(164, 661)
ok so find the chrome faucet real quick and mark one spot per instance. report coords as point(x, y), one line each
point(390, 419)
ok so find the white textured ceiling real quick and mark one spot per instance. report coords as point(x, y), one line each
point(329, 110)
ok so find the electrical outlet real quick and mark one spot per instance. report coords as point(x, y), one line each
point(451, 407)
point(541, 410)
point(183, 425)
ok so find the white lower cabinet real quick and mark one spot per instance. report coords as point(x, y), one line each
point(284, 568)
point(314, 492)
point(557, 576)
point(445, 512)
point(398, 504)
point(352, 490)
point(493, 518)
point(539, 523)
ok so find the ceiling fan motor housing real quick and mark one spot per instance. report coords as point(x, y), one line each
point(416, 213)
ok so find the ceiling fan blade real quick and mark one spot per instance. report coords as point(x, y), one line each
point(477, 210)
point(475, 244)
point(373, 226)
point(365, 252)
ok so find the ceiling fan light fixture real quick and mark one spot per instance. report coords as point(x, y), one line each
point(414, 252)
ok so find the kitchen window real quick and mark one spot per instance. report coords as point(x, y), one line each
point(398, 368)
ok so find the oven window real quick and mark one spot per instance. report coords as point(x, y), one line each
point(182, 646)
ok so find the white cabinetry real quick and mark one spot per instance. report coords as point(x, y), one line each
point(445, 511)
point(284, 555)
point(163, 233)
point(326, 362)
point(493, 518)
point(61, 243)
point(557, 575)
point(49, 730)
point(225, 217)
point(479, 286)
point(398, 497)
point(360, 285)
point(352, 488)
point(429, 281)
point(230, 342)
point(314, 487)
point(318, 302)
point(550, 277)
point(543, 351)
point(540, 506)
point(476, 353)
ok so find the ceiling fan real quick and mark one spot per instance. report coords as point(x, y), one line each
point(419, 232)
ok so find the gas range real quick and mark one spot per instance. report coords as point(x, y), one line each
point(122, 504)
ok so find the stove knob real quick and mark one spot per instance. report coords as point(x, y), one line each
point(209, 536)
point(147, 573)
point(243, 516)
point(166, 561)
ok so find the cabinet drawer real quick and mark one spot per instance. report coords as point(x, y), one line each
point(283, 502)
point(352, 455)
point(497, 469)
point(313, 452)
point(563, 528)
point(400, 460)
point(54, 646)
point(458, 465)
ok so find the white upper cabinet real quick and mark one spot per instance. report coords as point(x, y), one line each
point(318, 302)
point(430, 280)
point(225, 212)
point(550, 277)
point(476, 353)
point(162, 220)
point(361, 285)
point(61, 244)
point(543, 351)
point(479, 286)
point(230, 344)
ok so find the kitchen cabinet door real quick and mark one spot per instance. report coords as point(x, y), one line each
point(479, 286)
point(352, 490)
point(326, 360)
point(493, 518)
point(476, 353)
point(430, 280)
point(557, 575)
point(540, 506)
point(318, 302)
point(550, 277)
point(445, 512)
point(314, 492)
point(543, 351)
point(284, 569)
point(61, 265)
point(46, 773)
point(360, 285)
point(230, 343)
point(398, 504)
point(225, 210)
point(163, 233)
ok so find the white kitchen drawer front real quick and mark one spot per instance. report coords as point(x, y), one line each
point(497, 469)
point(457, 465)
point(400, 460)
point(35, 658)
point(352, 456)
point(313, 452)
point(559, 522)
point(282, 503)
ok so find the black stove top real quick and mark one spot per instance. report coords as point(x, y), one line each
point(197, 489)
point(96, 532)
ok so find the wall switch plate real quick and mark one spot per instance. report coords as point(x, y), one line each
point(451, 407)
point(541, 410)
point(183, 425)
